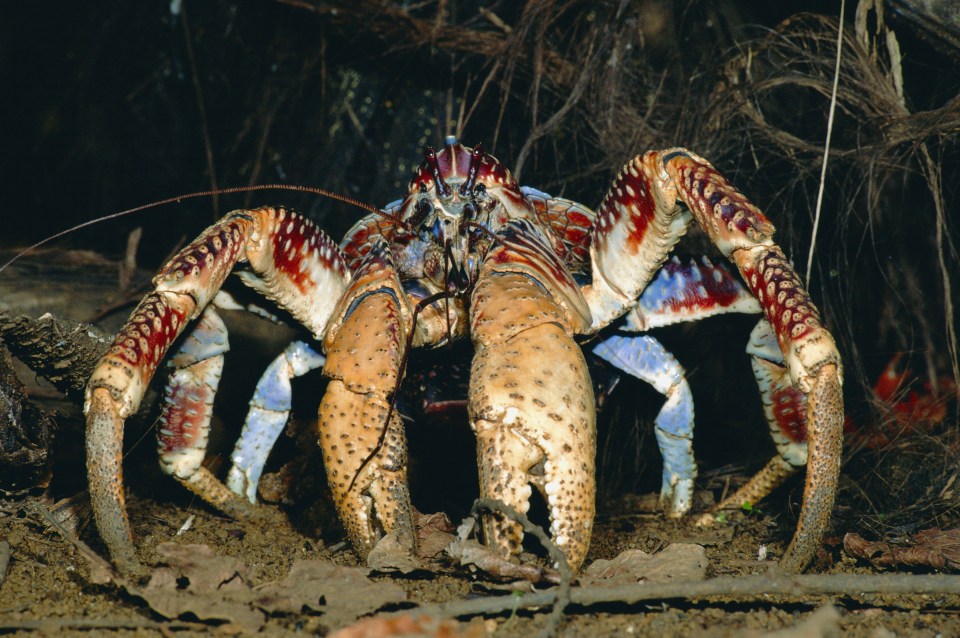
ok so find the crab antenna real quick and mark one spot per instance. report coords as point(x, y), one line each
point(431, 156)
point(217, 191)
point(472, 171)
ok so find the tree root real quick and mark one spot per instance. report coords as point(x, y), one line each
point(64, 352)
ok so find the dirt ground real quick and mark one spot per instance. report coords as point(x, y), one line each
point(47, 587)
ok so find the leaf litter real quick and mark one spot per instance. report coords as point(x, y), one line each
point(196, 582)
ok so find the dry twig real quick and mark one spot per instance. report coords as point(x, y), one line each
point(771, 589)
point(562, 598)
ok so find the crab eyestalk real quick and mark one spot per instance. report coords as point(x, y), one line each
point(470, 182)
point(443, 189)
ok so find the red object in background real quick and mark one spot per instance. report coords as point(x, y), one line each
point(913, 406)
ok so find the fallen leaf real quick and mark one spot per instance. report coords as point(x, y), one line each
point(434, 533)
point(198, 582)
point(470, 552)
point(391, 554)
point(343, 594)
point(205, 571)
point(217, 588)
point(680, 561)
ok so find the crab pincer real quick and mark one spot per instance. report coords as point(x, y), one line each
point(531, 399)
point(362, 437)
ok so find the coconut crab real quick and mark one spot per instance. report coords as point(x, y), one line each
point(468, 253)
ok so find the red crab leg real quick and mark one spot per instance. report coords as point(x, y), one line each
point(301, 269)
point(637, 224)
point(744, 235)
point(184, 424)
point(364, 454)
point(785, 408)
point(531, 399)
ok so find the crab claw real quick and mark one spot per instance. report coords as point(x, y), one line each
point(362, 437)
point(531, 399)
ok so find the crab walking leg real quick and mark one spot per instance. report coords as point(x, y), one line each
point(365, 455)
point(744, 235)
point(646, 359)
point(698, 288)
point(113, 394)
point(295, 264)
point(785, 409)
point(637, 223)
point(531, 400)
point(184, 424)
point(681, 291)
point(269, 411)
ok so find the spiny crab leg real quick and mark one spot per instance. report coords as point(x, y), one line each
point(184, 425)
point(292, 262)
point(744, 235)
point(531, 400)
point(785, 409)
point(637, 224)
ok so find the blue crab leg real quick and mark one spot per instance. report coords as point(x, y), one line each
point(269, 411)
point(531, 400)
point(681, 291)
point(646, 359)
point(292, 262)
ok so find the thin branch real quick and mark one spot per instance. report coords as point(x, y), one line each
point(931, 172)
point(61, 624)
point(204, 127)
point(786, 589)
point(562, 598)
point(826, 146)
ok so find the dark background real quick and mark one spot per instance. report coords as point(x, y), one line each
point(111, 105)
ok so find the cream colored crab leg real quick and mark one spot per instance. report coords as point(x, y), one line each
point(298, 266)
point(531, 399)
